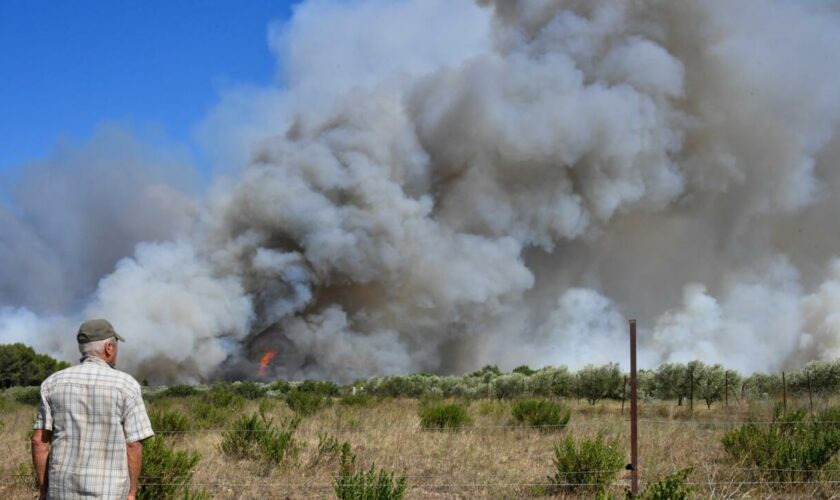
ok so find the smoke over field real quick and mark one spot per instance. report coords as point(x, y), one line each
point(439, 185)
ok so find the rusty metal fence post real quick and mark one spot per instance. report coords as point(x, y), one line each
point(634, 415)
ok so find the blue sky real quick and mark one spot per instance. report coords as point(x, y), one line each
point(66, 66)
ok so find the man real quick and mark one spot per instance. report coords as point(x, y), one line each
point(90, 425)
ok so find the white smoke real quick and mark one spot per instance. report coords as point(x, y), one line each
point(439, 185)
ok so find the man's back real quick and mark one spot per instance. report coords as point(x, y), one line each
point(92, 410)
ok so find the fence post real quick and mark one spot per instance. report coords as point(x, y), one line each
point(634, 415)
point(623, 394)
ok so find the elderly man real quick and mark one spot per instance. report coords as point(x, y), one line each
point(90, 425)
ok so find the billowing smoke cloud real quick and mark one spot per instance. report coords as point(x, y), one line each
point(439, 185)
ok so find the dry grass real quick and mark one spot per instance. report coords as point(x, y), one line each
point(489, 460)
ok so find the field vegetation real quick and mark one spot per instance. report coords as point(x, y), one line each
point(530, 433)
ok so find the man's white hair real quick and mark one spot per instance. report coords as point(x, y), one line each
point(96, 348)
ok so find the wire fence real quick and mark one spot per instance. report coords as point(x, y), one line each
point(707, 477)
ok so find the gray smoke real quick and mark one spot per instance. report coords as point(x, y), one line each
point(440, 185)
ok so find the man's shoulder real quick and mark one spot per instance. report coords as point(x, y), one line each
point(93, 373)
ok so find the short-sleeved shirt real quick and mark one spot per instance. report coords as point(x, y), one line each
point(92, 410)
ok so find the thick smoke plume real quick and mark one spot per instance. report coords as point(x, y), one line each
point(439, 185)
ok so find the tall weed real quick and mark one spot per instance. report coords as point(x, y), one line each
point(545, 414)
point(165, 472)
point(256, 437)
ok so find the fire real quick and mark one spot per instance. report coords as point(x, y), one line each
point(265, 360)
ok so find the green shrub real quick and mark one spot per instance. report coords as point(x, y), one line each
point(165, 472)
point(371, 484)
point(357, 400)
point(524, 370)
point(169, 421)
point(257, 438)
point(549, 415)
point(223, 396)
point(305, 403)
point(206, 415)
point(27, 395)
point(250, 390)
point(672, 487)
point(791, 448)
point(321, 387)
point(280, 387)
point(179, 391)
point(444, 416)
point(591, 465)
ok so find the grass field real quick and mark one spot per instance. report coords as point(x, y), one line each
point(489, 458)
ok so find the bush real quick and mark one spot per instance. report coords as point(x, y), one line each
point(27, 395)
point(590, 465)
point(790, 448)
point(512, 385)
point(165, 472)
point(179, 391)
point(257, 438)
point(551, 382)
point(357, 400)
point(444, 416)
point(366, 485)
point(305, 403)
point(280, 387)
point(168, 421)
point(250, 390)
point(672, 487)
point(549, 415)
point(223, 396)
point(321, 387)
point(328, 447)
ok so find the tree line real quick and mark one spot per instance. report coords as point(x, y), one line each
point(20, 365)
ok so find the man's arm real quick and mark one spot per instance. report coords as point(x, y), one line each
point(135, 460)
point(41, 439)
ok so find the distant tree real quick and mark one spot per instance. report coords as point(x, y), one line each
point(20, 365)
point(551, 382)
point(669, 381)
point(709, 383)
point(599, 382)
point(524, 370)
point(762, 384)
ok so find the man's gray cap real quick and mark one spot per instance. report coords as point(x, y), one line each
point(96, 329)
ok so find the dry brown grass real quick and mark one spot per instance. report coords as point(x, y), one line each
point(488, 460)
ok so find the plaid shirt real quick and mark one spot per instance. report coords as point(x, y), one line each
point(92, 410)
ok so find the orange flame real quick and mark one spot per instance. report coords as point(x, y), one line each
point(265, 360)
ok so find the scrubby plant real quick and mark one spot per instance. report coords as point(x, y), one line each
point(167, 421)
point(180, 391)
point(320, 387)
point(360, 399)
point(166, 472)
point(790, 448)
point(256, 437)
point(223, 396)
point(249, 389)
point(280, 387)
point(27, 395)
point(371, 484)
point(590, 464)
point(305, 403)
point(671, 487)
point(546, 414)
point(444, 416)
